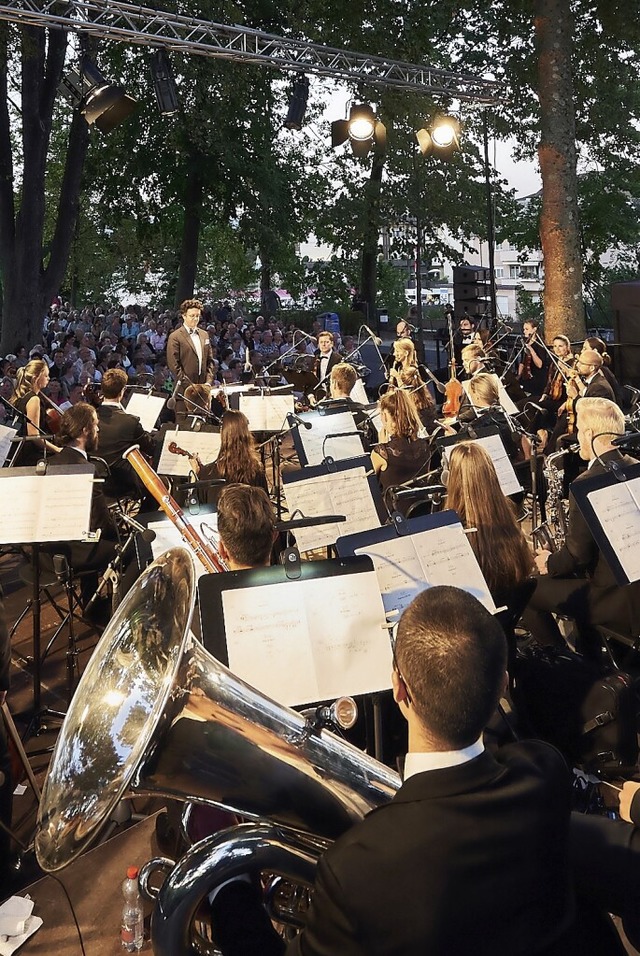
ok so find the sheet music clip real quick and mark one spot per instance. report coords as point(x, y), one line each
point(291, 562)
point(330, 464)
point(400, 523)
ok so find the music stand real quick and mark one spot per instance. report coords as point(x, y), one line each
point(295, 655)
point(335, 487)
point(50, 507)
point(489, 438)
point(332, 434)
point(610, 505)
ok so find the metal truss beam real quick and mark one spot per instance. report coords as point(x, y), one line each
point(144, 26)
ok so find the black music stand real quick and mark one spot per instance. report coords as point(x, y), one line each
point(335, 434)
point(56, 506)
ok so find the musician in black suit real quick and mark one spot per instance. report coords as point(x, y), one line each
point(78, 434)
point(189, 354)
point(326, 358)
point(119, 431)
point(593, 597)
point(471, 855)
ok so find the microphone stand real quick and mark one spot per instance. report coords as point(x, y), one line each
point(275, 441)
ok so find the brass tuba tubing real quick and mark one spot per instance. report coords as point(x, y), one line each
point(203, 550)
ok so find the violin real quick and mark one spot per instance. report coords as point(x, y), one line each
point(175, 449)
point(453, 388)
point(53, 414)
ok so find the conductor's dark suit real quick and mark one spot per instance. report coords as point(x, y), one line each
point(119, 431)
point(323, 380)
point(467, 859)
point(182, 358)
point(594, 600)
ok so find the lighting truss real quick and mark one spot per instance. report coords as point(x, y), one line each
point(145, 26)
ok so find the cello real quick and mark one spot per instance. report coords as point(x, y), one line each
point(453, 388)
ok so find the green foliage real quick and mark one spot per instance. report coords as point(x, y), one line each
point(391, 291)
point(526, 308)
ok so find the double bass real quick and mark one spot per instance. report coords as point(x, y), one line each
point(453, 388)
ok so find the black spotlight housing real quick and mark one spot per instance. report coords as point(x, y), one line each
point(297, 104)
point(164, 84)
point(441, 138)
point(362, 129)
point(98, 101)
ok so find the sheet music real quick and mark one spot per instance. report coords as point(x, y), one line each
point(168, 536)
point(204, 444)
point(492, 444)
point(305, 641)
point(618, 510)
point(322, 426)
point(359, 393)
point(408, 564)
point(6, 434)
point(506, 402)
point(146, 407)
point(338, 493)
point(51, 507)
point(266, 413)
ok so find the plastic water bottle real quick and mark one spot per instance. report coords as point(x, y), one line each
point(132, 928)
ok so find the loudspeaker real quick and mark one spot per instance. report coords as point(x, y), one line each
point(625, 302)
point(470, 290)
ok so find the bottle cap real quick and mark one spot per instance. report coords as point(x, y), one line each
point(132, 872)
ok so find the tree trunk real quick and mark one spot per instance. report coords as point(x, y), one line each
point(368, 279)
point(559, 225)
point(28, 286)
point(190, 232)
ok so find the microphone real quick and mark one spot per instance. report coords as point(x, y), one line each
point(629, 438)
point(341, 435)
point(171, 401)
point(309, 522)
point(301, 422)
point(377, 340)
point(145, 533)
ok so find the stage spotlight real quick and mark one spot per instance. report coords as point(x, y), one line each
point(442, 138)
point(362, 129)
point(164, 84)
point(297, 104)
point(98, 101)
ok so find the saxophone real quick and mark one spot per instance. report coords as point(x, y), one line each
point(550, 536)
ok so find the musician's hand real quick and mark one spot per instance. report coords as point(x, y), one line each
point(3, 697)
point(573, 389)
point(562, 409)
point(629, 790)
point(542, 560)
point(196, 464)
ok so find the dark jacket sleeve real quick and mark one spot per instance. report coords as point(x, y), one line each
point(5, 647)
point(579, 551)
point(328, 930)
point(173, 355)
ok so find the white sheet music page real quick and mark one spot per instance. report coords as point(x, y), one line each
point(502, 464)
point(168, 536)
point(358, 393)
point(52, 507)
point(266, 413)
point(146, 407)
point(618, 510)
point(318, 443)
point(304, 641)
point(6, 434)
point(204, 444)
point(407, 564)
point(339, 493)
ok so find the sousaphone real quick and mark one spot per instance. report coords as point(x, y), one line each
point(155, 713)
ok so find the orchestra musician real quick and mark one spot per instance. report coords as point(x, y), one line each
point(341, 383)
point(586, 381)
point(463, 336)
point(246, 526)
point(472, 853)
point(238, 460)
point(189, 354)
point(404, 360)
point(28, 398)
point(120, 430)
point(595, 343)
point(484, 398)
point(6, 782)
point(474, 493)
point(403, 454)
point(577, 580)
point(410, 379)
point(534, 360)
point(326, 358)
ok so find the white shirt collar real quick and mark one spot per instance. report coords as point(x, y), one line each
point(81, 450)
point(112, 402)
point(421, 762)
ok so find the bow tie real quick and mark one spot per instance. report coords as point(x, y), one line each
point(192, 331)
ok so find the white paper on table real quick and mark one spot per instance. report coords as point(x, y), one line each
point(206, 445)
point(16, 919)
point(51, 507)
point(408, 564)
point(168, 536)
point(304, 641)
point(338, 493)
point(318, 443)
point(266, 413)
point(146, 407)
point(617, 508)
point(6, 434)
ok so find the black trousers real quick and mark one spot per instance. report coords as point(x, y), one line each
point(567, 596)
